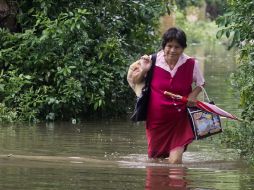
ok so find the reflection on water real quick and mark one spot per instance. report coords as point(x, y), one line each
point(164, 178)
point(112, 154)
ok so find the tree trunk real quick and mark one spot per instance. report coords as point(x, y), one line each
point(8, 13)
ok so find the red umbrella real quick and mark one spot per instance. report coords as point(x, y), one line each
point(204, 106)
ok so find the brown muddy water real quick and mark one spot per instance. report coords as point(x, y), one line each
point(109, 155)
point(112, 154)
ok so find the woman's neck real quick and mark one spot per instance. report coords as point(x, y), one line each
point(171, 63)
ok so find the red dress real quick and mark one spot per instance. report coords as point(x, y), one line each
point(167, 125)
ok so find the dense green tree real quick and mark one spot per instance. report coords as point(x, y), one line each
point(238, 26)
point(69, 59)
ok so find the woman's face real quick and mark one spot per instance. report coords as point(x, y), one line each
point(173, 50)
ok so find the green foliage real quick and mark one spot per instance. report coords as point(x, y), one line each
point(214, 8)
point(243, 81)
point(240, 138)
point(7, 115)
point(70, 59)
point(197, 32)
point(237, 23)
point(237, 26)
point(182, 4)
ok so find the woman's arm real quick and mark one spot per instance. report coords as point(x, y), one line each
point(199, 80)
point(193, 96)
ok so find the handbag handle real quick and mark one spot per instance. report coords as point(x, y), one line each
point(205, 93)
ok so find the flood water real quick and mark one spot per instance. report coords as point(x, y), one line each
point(112, 154)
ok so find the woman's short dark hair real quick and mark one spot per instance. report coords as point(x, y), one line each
point(174, 34)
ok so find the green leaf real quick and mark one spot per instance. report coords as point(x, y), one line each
point(227, 33)
point(219, 34)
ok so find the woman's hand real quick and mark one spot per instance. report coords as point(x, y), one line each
point(191, 101)
point(145, 63)
point(138, 70)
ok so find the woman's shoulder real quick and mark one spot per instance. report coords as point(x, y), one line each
point(159, 53)
point(159, 56)
point(187, 58)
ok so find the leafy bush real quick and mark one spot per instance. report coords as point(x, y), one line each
point(237, 26)
point(70, 59)
point(238, 136)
